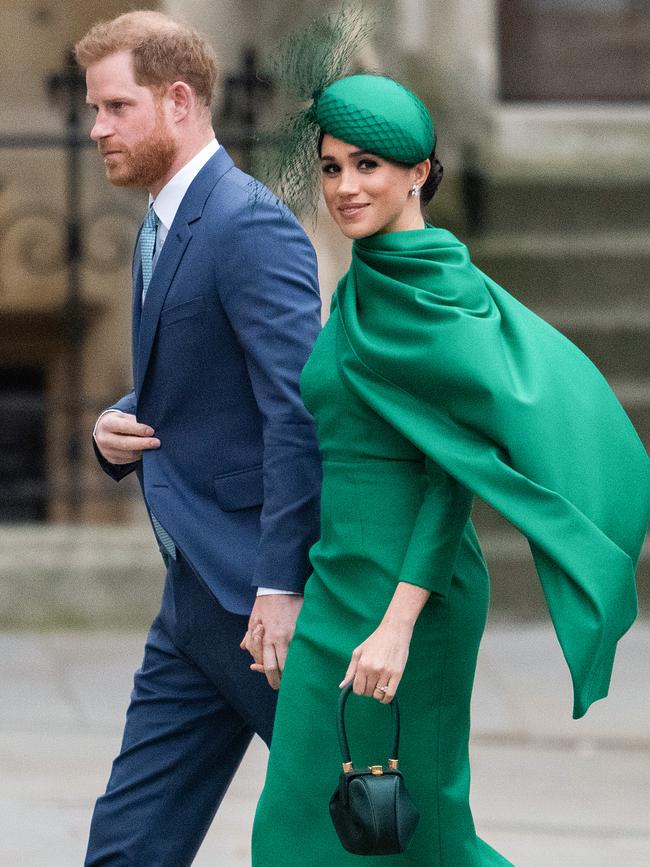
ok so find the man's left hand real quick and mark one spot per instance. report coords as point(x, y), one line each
point(270, 630)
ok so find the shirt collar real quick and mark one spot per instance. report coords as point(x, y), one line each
point(168, 200)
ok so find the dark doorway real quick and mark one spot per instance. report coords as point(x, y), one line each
point(575, 49)
point(23, 487)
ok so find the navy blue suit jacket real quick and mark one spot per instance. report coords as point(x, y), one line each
point(229, 320)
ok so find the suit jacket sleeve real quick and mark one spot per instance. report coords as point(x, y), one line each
point(270, 293)
point(118, 471)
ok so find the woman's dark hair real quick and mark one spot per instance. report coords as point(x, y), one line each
point(428, 188)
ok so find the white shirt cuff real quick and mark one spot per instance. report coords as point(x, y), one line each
point(269, 591)
point(99, 417)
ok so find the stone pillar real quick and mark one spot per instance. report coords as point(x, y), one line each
point(33, 42)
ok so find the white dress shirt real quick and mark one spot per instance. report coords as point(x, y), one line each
point(166, 204)
point(168, 200)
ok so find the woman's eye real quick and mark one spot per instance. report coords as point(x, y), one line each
point(368, 164)
point(329, 169)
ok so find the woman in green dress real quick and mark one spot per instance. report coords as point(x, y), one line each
point(429, 384)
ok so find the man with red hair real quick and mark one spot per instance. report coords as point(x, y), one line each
point(225, 312)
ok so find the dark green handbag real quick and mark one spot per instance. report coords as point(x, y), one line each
point(372, 812)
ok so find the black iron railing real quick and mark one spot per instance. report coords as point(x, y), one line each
point(237, 124)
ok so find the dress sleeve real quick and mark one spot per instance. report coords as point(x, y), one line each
point(438, 530)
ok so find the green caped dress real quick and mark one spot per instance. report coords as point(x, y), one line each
point(429, 383)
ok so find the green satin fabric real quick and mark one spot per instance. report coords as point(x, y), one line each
point(514, 411)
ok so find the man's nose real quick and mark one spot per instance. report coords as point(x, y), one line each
point(101, 128)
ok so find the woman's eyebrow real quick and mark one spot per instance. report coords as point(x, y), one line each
point(351, 154)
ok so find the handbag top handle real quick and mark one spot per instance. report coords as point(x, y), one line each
point(343, 737)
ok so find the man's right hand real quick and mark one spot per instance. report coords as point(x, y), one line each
point(121, 438)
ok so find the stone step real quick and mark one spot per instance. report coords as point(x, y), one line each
point(635, 397)
point(86, 577)
point(112, 577)
point(515, 588)
point(566, 206)
point(591, 271)
point(618, 345)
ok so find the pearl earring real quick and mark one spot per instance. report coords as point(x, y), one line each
point(415, 190)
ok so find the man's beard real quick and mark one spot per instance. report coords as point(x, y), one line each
point(144, 163)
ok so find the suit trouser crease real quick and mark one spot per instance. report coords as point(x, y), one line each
point(194, 709)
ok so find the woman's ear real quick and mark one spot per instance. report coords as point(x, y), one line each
point(422, 172)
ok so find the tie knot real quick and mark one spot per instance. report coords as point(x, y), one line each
point(151, 219)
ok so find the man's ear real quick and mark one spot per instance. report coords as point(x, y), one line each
point(181, 97)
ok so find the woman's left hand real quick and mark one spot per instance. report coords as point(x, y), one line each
point(377, 665)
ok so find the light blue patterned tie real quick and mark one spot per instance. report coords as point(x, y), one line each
point(164, 538)
point(147, 247)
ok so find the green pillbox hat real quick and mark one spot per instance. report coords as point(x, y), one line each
point(379, 115)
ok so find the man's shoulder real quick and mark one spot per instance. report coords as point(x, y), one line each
point(241, 197)
point(241, 217)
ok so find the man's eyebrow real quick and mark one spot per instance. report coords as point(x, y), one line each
point(108, 100)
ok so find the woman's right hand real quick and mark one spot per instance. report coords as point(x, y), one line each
point(377, 665)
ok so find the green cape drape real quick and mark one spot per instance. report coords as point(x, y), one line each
point(513, 410)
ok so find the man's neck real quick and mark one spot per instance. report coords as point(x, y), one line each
point(187, 151)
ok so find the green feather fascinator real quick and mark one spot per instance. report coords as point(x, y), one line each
point(303, 66)
point(370, 111)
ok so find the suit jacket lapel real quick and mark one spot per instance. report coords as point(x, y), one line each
point(170, 258)
point(161, 279)
point(136, 309)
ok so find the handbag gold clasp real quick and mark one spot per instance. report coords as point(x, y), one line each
point(376, 770)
